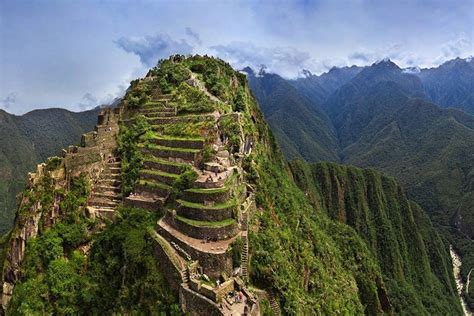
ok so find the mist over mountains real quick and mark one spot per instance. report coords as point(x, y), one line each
point(415, 125)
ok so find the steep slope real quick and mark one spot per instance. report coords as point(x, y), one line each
point(383, 118)
point(29, 139)
point(286, 109)
point(197, 154)
point(414, 259)
point(451, 84)
point(318, 88)
point(308, 263)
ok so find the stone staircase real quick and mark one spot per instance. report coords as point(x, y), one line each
point(245, 256)
point(274, 303)
point(106, 194)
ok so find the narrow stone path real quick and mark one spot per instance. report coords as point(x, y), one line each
point(106, 194)
point(457, 276)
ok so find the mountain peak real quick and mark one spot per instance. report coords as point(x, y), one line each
point(385, 63)
point(249, 71)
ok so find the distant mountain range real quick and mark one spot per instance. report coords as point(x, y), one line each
point(415, 125)
point(29, 139)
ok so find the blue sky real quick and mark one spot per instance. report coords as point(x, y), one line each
point(77, 54)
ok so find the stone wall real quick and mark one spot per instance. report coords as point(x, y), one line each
point(171, 272)
point(194, 144)
point(197, 197)
point(213, 264)
point(169, 168)
point(185, 155)
point(193, 303)
point(208, 215)
point(204, 232)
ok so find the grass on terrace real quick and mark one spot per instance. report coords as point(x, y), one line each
point(216, 206)
point(209, 191)
point(160, 173)
point(158, 147)
point(192, 222)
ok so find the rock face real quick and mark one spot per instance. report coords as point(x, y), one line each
point(53, 175)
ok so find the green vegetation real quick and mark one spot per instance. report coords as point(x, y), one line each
point(346, 241)
point(216, 206)
point(185, 180)
point(193, 222)
point(52, 273)
point(380, 117)
point(28, 140)
point(170, 75)
point(236, 247)
point(138, 95)
point(413, 258)
point(132, 159)
point(231, 127)
point(189, 129)
point(120, 275)
point(158, 147)
point(191, 100)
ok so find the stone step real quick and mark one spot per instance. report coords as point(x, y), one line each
point(110, 195)
point(110, 176)
point(107, 188)
point(159, 176)
point(96, 202)
point(115, 164)
point(109, 182)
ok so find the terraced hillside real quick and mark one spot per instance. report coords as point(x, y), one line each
point(188, 207)
point(190, 172)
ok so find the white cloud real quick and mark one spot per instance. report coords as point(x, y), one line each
point(153, 47)
point(286, 61)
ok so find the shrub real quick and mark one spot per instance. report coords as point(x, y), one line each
point(132, 159)
point(191, 100)
point(185, 180)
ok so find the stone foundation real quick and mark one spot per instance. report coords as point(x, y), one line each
point(203, 232)
point(207, 215)
point(200, 197)
point(213, 264)
point(195, 304)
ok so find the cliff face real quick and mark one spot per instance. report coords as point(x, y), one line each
point(211, 207)
point(41, 205)
point(413, 258)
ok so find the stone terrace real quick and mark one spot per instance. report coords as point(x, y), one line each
point(200, 223)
